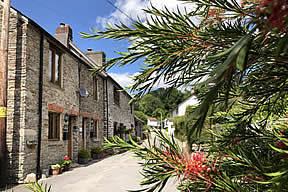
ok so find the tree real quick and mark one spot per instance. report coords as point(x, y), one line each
point(240, 54)
point(141, 116)
point(150, 103)
point(170, 97)
point(159, 114)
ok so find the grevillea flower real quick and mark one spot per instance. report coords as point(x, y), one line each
point(274, 13)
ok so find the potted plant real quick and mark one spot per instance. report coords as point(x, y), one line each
point(83, 156)
point(61, 169)
point(55, 169)
point(95, 152)
point(66, 163)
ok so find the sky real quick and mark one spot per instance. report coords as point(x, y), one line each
point(82, 15)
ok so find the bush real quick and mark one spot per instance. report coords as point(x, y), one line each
point(97, 150)
point(84, 153)
point(141, 116)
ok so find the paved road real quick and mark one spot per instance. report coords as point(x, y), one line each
point(117, 173)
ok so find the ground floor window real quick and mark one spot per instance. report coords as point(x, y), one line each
point(54, 125)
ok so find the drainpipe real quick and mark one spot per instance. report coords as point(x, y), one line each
point(107, 114)
point(40, 101)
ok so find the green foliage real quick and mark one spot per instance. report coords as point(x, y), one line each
point(38, 187)
point(167, 100)
point(141, 116)
point(170, 97)
point(182, 125)
point(64, 163)
point(149, 103)
point(243, 50)
point(158, 113)
point(96, 150)
point(146, 129)
point(180, 128)
point(163, 159)
point(56, 166)
point(84, 153)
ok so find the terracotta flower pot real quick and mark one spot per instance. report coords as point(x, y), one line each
point(61, 170)
point(55, 171)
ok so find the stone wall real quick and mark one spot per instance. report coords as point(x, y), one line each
point(118, 113)
point(91, 106)
point(16, 94)
point(23, 101)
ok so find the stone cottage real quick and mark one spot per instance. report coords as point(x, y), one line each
point(119, 112)
point(55, 107)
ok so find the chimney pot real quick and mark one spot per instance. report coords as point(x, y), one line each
point(89, 49)
point(63, 34)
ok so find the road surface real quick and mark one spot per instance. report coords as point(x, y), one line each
point(117, 173)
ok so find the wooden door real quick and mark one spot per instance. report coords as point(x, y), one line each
point(83, 132)
point(70, 137)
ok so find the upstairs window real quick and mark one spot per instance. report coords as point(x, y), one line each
point(116, 94)
point(54, 126)
point(54, 66)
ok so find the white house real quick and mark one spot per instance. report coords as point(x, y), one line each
point(180, 109)
point(153, 122)
point(168, 124)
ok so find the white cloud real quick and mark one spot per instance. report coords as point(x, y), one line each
point(134, 9)
point(126, 80)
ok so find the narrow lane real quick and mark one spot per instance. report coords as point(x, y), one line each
point(117, 173)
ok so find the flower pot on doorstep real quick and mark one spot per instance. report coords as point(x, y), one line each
point(55, 171)
point(83, 160)
point(95, 155)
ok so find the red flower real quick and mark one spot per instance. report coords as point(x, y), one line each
point(281, 145)
point(274, 13)
point(66, 158)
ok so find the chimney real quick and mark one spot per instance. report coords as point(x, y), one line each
point(63, 34)
point(97, 56)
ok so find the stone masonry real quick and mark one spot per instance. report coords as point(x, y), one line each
point(24, 91)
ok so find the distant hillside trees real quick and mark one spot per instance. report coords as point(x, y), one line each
point(160, 101)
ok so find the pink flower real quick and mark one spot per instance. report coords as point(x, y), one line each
point(66, 158)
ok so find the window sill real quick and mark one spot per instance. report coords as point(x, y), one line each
point(94, 139)
point(53, 139)
point(54, 142)
point(56, 86)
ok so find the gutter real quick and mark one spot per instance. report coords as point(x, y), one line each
point(40, 101)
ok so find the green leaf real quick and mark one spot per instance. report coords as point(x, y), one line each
point(275, 174)
point(242, 58)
